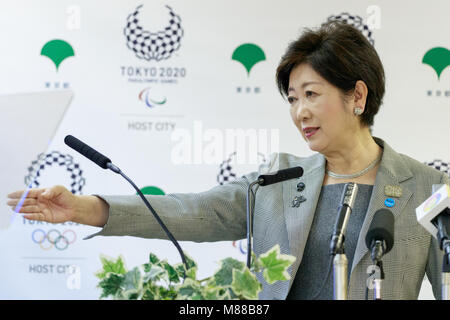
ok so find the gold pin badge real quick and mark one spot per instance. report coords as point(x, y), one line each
point(393, 191)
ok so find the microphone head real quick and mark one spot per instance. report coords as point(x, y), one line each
point(433, 207)
point(72, 142)
point(87, 151)
point(381, 228)
point(280, 176)
point(349, 194)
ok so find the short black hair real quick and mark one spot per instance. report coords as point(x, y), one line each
point(342, 55)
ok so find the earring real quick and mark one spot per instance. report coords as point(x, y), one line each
point(358, 111)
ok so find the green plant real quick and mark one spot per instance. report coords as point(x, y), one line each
point(158, 280)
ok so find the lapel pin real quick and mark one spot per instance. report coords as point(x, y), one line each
point(393, 191)
point(297, 201)
point(300, 186)
point(389, 202)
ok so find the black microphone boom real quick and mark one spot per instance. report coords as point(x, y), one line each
point(106, 163)
point(280, 176)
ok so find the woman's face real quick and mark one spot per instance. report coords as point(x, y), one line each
point(319, 111)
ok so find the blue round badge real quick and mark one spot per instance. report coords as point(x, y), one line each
point(389, 202)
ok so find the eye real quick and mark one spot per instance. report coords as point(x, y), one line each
point(291, 99)
point(309, 93)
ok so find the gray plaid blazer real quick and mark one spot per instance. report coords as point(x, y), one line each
point(220, 214)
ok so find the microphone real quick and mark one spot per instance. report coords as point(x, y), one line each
point(265, 180)
point(87, 151)
point(106, 163)
point(380, 237)
point(379, 240)
point(280, 176)
point(434, 215)
point(344, 211)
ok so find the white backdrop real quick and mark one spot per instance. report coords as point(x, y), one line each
point(202, 87)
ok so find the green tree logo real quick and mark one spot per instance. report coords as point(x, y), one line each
point(57, 51)
point(438, 58)
point(248, 54)
point(152, 190)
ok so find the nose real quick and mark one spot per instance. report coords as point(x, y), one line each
point(302, 112)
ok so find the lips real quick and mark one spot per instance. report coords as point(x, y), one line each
point(309, 131)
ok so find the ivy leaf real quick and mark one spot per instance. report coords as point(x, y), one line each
point(179, 268)
point(224, 276)
point(255, 264)
point(275, 265)
point(111, 285)
point(190, 290)
point(246, 284)
point(167, 293)
point(153, 273)
point(190, 262)
point(191, 273)
point(149, 294)
point(153, 258)
point(132, 284)
point(216, 293)
point(191, 270)
point(109, 265)
point(172, 274)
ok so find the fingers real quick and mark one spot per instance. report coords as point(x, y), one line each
point(30, 193)
point(34, 216)
point(26, 202)
point(30, 209)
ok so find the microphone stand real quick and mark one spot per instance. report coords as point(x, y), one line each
point(446, 278)
point(379, 277)
point(337, 247)
point(264, 180)
point(378, 249)
point(250, 208)
point(340, 275)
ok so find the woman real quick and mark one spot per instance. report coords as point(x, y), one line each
point(334, 82)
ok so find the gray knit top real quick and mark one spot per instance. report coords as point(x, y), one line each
point(316, 269)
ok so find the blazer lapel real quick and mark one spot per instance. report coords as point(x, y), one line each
point(391, 172)
point(299, 219)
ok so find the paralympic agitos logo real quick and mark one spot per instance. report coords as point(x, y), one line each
point(152, 99)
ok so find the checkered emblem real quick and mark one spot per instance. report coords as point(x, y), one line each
point(227, 172)
point(158, 45)
point(59, 159)
point(440, 166)
point(355, 21)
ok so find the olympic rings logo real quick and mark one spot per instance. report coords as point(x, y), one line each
point(54, 238)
